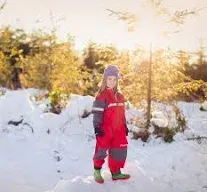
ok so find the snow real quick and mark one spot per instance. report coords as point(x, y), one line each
point(78, 104)
point(204, 105)
point(163, 115)
point(57, 155)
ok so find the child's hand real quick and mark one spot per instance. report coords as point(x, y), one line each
point(99, 132)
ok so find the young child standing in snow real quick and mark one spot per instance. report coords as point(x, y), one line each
point(110, 127)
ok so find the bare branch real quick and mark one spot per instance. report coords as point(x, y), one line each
point(158, 7)
point(129, 18)
point(179, 17)
point(3, 5)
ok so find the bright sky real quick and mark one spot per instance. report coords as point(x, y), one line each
point(89, 20)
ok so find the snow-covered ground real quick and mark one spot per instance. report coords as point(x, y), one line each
point(53, 153)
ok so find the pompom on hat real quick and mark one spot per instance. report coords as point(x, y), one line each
point(111, 70)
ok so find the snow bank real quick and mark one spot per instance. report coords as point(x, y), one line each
point(77, 105)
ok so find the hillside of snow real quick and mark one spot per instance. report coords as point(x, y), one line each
point(46, 152)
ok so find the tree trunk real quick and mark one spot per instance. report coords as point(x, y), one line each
point(149, 87)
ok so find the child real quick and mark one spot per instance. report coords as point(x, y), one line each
point(110, 127)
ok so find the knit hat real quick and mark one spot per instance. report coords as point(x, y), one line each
point(111, 70)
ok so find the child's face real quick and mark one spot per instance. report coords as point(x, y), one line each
point(111, 82)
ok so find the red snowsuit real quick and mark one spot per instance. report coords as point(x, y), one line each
point(109, 117)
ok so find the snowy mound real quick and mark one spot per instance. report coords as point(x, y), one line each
point(162, 115)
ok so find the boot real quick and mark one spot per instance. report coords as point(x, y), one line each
point(97, 176)
point(120, 176)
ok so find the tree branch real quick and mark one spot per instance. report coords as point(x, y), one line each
point(129, 18)
point(3, 5)
point(179, 17)
point(198, 138)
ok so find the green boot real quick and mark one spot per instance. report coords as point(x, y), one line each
point(120, 176)
point(97, 176)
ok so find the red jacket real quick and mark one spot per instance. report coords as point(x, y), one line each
point(109, 113)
